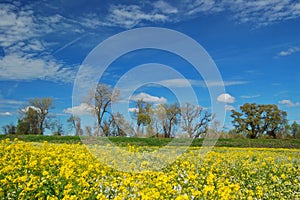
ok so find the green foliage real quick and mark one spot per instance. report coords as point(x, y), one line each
point(256, 120)
point(135, 141)
point(295, 130)
point(33, 117)
point(23, 127)
point(41, 110)
point(142, 114)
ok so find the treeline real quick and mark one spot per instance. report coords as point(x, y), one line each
point(150, 120)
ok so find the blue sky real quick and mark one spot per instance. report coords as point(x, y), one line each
point(254, 44)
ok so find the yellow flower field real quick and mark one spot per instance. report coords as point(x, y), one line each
point(70, 171)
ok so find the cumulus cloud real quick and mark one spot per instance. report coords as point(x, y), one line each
point(5, 113)
point(290, 51)
point(226, 98)
point(289, 103)
point(82, 109)
point(149, 98)
point(25, 110)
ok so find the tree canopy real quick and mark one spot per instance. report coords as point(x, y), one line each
point(259, 119)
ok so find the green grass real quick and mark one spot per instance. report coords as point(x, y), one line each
point(123, 141)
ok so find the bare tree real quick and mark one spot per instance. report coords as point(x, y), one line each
point(121, 127)
point(75, 122)
point(9, 129)
point(57, 128)
point(171, 118)
point(100, 100)
point(194, 120)
point(88, 130)
point(158, 118)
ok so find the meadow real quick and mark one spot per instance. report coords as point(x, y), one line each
point(59, 170)
point(135, 141)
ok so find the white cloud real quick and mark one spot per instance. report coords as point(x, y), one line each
point(26, 56)
point(262, 12)
point(181, 83)
point(82, 109)
point(133, 110)
point(164, 7)
point(149, 98)
point(16, 24)
point(290, 51)
point(259, 13)
point(25, 110)
point(226, 98)
point(129, 16)
point(176, 83)
point(225, 83)
point(250, 96)
point(289, 103)
point(10, 101)
point(17, 67)
point(229, 108)
point(5, 113)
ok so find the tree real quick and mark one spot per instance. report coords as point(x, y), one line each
point(9, 129)
point(23, 127)
point(57, 128)
point(88, 130)
point(194, 120)
point(172, 116)
point(121, 127)
point(255, 120)
point(158, 117)
point(295, 130)
point(142, 114)
point(100, 100)
point(41, 107)
point(29, 122)
point(75, 123)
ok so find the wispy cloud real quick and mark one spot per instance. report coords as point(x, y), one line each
point(23, 29)
point(26, 55)
point(181, 83)
point(289, 103)
point(262, 12)
point(258, 13)
point(250, 96)
point(129, 16)
point(229, 107)
point(165, 7)
point(289, 51)
point(18, 67)
point(9, 106)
